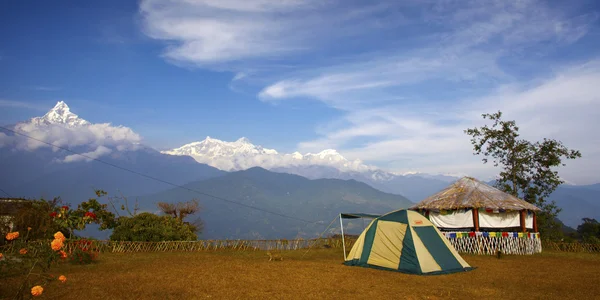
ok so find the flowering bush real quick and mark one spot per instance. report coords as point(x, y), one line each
point(32, 260)
point(88, 212)
point(84, 252)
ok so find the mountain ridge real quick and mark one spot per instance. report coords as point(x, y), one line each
point(317, 201)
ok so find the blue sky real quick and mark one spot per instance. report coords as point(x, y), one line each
point(393, 83)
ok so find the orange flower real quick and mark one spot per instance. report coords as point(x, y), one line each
point(63, 254)
point(28, 228)
point(1, 255)
point(23, 251)
point(62, 278)
point(12, 235)
point(59, 236)
point(56, 244)
point(37, 290)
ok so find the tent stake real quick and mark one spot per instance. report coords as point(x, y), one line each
point(343, 242)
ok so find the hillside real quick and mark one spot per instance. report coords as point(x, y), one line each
point(313, 200)
point(577, 202)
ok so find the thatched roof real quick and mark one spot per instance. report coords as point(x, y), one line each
point(469, 192)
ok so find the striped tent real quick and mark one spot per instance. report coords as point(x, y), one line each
point(407, 242)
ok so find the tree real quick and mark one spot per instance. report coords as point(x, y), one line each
point(116, 200)
point(181, 210)
point(528, 169)
point(87, 212)
point(148, 227)
point(589, 230)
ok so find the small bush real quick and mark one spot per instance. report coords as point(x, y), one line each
point(148, 227)
point(84, 252)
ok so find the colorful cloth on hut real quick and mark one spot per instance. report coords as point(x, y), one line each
point(459, 235)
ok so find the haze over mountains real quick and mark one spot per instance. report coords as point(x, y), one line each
point(318, 200)
point(323, 183)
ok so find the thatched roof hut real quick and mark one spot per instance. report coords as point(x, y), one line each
point(468, 202)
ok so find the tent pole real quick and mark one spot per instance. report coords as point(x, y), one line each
point(343, 242)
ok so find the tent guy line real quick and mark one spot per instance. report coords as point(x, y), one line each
point(160, 180)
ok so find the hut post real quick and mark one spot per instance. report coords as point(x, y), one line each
point(535, 229)
point(522, 217)
point(427, 214)
point(475, 218)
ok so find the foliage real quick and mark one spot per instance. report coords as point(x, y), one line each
point(152, 228)
point(528, 169)
point(84, 252)
point(35, 214)
point(32, 260)
point(87, 212)
point(589, 231)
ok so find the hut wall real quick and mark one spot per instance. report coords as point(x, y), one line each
point(529, 220)
point(499, 220)
point(452, 219)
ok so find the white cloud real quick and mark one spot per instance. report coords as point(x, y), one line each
point(239, 76)
point(206, 32)
point(477, 37)
point(236, 33)
point(88, 156)
point(93, 135)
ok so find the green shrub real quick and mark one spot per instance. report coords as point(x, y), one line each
point(148, 227)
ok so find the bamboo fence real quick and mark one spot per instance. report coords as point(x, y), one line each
point(491, 245)
point(571, 247)
point(208, 245)
point(473, 245)
point(200, 245)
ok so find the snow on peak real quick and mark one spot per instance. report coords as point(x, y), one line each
point(242, 154)
point(243, 140)
point(329, 154)
point(214, 152)
point(297, 155)
point(60, 114)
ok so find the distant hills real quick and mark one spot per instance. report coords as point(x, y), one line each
point(577, 202)
point(319, 200)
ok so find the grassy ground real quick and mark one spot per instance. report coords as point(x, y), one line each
point(321, 275)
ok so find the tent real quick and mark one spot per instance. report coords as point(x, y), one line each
point(404, 241)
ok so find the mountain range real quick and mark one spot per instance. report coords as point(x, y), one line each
point(320, 185)
point(242, 154)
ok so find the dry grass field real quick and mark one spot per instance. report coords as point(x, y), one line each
point(320, 275)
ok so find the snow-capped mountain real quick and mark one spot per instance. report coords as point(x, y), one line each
point(242, 154)
point(61, 127)
point(33, 169)
point(60, 114)
point(211, 147)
